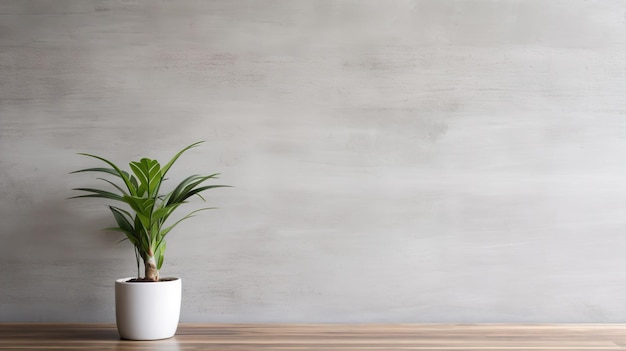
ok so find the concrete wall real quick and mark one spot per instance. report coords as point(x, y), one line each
point(394, 161)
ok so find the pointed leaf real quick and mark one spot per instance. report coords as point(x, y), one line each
point(148, 172)
point(165, 231)
point(114, 185)
point(142, 207)
point(162, 214)
point(120, 173)
point(160, 254)
point(181, 192)
point(98, 169)
point(98, 193)
point(201, 189)
point(167, 167)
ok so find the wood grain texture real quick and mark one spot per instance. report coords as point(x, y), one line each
point(311, 337)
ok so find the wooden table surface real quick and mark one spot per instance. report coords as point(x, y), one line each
point(309, 337)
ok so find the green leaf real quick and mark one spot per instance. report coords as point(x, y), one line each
point(185, 189)
point(162, 214)
point(98, 169)
point(143, 209)
point(140, 205)
point(160, 254)
point(165, 231)
point(117, 171)
point(201, 189)
point(112, 171)
point(167, 167)
point(98, 193)
point(115, 186)
point(144, 237)
point(125, 225)
point(148, 172)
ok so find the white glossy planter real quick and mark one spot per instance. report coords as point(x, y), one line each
point(147, 311)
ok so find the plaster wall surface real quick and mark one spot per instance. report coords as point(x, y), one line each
point(393, 161)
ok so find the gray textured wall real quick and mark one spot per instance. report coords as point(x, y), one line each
point(394, 161)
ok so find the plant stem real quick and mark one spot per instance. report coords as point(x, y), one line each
point(152, 273)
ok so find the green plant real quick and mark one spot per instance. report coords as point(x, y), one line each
point(143, 222)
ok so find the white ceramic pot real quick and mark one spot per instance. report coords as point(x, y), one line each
point(147, 311)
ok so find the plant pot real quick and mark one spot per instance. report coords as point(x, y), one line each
point(147, 310)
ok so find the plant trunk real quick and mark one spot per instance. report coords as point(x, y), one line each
point(152, 273)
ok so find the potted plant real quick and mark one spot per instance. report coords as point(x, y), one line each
point(147, 308)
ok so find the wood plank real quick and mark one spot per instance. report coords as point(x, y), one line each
point(316, 337)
